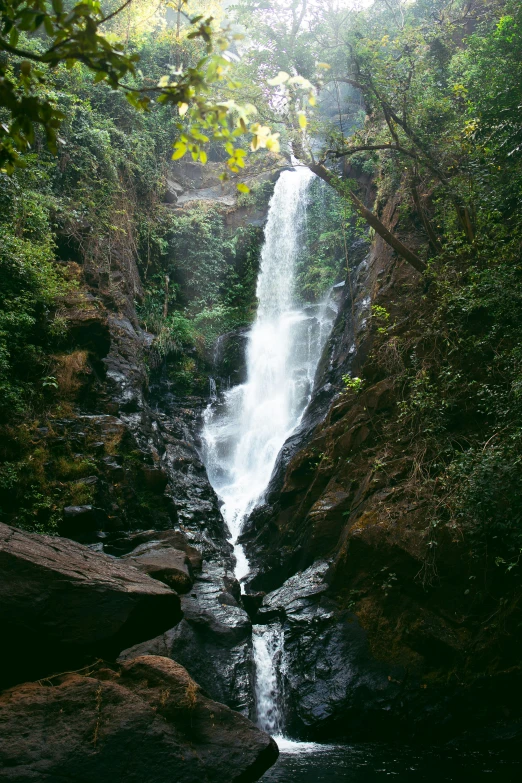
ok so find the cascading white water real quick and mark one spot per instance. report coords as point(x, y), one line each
point(267, 643)
point(243, 434)
point(212, 391)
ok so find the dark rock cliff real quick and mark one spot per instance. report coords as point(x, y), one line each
point(380, 639)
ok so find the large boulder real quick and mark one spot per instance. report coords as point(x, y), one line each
point(126, 543)
point(213, 641)
point(148, 722)
point(60, 603)
point(173, 538)
point(332, 686)
point(163, 562)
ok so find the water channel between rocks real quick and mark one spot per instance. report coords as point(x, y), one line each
point(246, 428)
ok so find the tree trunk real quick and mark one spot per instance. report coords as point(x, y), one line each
point(434, 242)
point(372, 220)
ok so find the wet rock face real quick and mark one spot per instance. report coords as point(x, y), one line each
point(189, 490)
point(213, 641)
point(125, 372)
point(148, 721)
point(229, 358)
point(146, 473)
point(330, 686)
point(68, 603)
point(146, 469)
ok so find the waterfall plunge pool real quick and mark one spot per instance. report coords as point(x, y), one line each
point(309, 762)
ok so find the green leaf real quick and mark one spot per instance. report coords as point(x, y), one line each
point(180, 150)
point(281, 78)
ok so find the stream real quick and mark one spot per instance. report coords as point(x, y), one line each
point(371, 763)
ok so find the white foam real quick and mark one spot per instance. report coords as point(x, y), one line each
point(294, 747)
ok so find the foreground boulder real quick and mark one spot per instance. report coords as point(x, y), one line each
point(147, 722)
point(60, 602)
point(163, 562)
point(213, 641)
point(174, 538)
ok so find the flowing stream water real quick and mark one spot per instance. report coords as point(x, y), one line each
point(245, 432)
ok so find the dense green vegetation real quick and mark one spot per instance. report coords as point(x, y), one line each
point(37, 37)
point(330, 231)
point(462, 370)
point(91, 202)
point(195, 291)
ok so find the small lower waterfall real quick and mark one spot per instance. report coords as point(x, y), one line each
point(244, 431)
point(267, 643)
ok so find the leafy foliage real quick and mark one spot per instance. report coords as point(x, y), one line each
point(30, 284)
point(199, 290)
point(330, 231)
point(38, 36)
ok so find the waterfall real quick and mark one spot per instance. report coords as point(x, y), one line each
point(212, 392)
point(244, 432)
point(267, 643)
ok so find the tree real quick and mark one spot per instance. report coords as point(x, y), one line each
point(280, 43)
point(430, 119)
point(401, 58)
point(37, 37)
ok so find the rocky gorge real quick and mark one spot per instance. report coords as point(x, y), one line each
point(138, 594)
point(260, 444)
